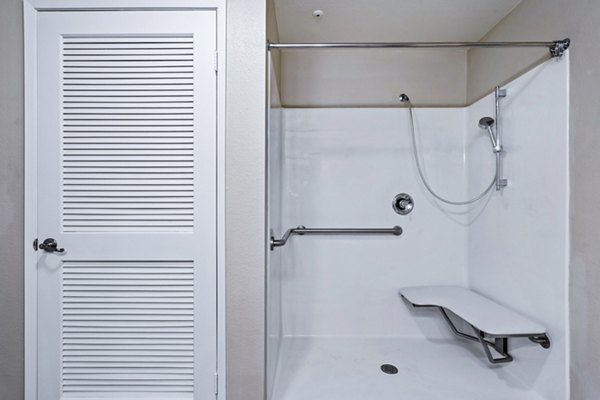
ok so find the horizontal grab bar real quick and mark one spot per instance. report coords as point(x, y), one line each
point(301, 230)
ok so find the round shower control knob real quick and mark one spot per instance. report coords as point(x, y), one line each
point(403, 204)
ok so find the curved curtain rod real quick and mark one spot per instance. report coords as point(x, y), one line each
point(556, 47)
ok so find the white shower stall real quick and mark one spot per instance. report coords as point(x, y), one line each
point(334, 312)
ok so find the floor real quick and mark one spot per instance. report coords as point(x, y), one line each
point(349, 369)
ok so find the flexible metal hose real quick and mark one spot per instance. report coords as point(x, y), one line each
point(422, 175)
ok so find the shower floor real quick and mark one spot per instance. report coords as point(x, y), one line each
point(349, 369)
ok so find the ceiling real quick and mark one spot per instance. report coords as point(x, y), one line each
point(389, 20)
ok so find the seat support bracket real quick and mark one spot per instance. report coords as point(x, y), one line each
point(488, 342)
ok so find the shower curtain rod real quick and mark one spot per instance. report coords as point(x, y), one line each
point(556, 47)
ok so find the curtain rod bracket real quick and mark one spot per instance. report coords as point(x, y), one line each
point(559, 47)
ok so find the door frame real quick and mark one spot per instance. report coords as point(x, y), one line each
point(31, 8)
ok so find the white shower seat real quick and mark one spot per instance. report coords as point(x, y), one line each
point(487, 318)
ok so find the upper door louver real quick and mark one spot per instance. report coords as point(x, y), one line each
point(127, 133)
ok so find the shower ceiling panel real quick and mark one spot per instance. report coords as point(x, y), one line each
point(389, 20)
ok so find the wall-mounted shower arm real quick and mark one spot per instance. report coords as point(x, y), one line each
point(486, 124)
point(301, 230)
point(556, 47)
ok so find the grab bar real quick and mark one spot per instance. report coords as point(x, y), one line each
point(302, 230)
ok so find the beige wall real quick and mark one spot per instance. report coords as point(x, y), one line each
point(11, 200)
point(369, 78)
point(355, 78)
point(245, 198)
point(534, 19)
point(579, 20)
point(273, 36)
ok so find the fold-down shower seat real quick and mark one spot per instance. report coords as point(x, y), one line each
point(493, 323)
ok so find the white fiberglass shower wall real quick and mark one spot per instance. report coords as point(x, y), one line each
point(334, 311)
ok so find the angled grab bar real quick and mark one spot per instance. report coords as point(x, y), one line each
point(301, 230)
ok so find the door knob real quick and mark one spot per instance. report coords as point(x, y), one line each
point(51, 246)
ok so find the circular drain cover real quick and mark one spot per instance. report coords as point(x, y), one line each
point(389, 369)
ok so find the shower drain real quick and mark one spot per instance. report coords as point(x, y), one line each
point(389, 369)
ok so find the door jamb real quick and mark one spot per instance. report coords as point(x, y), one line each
point(30, 10)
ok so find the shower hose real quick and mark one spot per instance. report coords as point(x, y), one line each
point(422, 175)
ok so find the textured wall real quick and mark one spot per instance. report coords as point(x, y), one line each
point(245, 198)
point(273, 36)
point(245, 191)
point(11, 200)
point(555, 19)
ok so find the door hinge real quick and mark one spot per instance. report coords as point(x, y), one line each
point(216, 61)
point(216, 384)
point(35, 244)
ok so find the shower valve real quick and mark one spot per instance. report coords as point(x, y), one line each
point(403, 204)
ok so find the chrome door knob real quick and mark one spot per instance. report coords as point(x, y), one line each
point(51, 246)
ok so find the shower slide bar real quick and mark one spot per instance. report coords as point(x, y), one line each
point(301, 230)
point(556, 47)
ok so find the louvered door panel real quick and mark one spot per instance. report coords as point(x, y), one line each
point(128, 142)
point(128, 326)
point(127, 147)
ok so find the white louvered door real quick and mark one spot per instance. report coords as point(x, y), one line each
point(127, 164)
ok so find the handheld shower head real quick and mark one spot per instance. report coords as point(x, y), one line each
point(486, 123)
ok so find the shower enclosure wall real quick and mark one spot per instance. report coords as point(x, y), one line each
point(333, 309)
